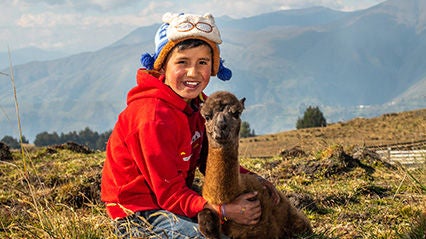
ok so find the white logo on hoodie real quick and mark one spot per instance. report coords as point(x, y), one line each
point(196, 136)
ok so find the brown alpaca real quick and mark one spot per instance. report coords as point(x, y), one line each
point(223, 182)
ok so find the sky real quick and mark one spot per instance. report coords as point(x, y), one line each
point(73, 26)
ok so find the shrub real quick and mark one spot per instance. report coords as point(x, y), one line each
point(312, 117)
point(245, 130)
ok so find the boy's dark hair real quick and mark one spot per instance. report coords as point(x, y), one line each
point(191, 43)
point(188, 44)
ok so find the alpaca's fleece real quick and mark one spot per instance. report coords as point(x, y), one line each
point(278, 221)
point(223, 182)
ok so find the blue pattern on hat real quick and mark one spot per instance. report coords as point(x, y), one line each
point(161, 40)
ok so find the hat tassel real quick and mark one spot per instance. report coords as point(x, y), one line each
point(224, 73)
point(147, 61)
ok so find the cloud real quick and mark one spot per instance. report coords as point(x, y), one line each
point(112, 4)
point(55, 23)
point(53, 20)
point(78, 5)
point(236, 8)
point(46, 20)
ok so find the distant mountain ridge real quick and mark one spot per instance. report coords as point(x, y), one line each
point(25, 55)
point(350, 64)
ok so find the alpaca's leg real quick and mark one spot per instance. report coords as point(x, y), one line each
point(209, 224)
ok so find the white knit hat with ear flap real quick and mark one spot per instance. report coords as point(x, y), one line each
point(179, 27)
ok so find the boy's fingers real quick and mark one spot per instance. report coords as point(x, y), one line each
point(250, 195)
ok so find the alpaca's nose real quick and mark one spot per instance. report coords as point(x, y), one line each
point(221, 128)
point(221, 121)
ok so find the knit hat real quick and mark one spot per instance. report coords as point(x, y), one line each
point(179, 27)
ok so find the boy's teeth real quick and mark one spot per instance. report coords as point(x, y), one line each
point(191, 83)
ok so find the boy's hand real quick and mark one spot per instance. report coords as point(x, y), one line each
point(245, 209)
point(273, 192)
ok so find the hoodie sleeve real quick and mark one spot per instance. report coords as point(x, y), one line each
point(156, 150)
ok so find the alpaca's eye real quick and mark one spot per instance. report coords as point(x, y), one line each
point(208, 117)
point(236, 114)
point(222, 107)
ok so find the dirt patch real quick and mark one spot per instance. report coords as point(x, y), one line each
point(370, 157)
point(303, 201)
point(374, 191)
point(78, 148)
point(5, 153)
point(332, 161)
point(295, 152)
point(339, 199)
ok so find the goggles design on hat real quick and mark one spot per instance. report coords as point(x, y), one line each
point(188, 26)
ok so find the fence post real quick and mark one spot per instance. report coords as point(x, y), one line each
point(389, 154)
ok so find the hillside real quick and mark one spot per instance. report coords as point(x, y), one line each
point(392, 128)
point(350, 64)
point(29, 54)
point(53, 192)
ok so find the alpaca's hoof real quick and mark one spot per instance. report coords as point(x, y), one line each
point(209, 224)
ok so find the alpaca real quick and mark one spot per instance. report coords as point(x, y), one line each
point(223, 181)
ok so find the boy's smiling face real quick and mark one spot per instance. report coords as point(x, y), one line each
point(188, 71)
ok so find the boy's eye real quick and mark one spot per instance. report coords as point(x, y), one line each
point(203, 62)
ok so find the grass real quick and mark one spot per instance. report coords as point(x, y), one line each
point(359, 203)
point(405, 127)
point(368, 200)
point(54, 192)
point(65, 203)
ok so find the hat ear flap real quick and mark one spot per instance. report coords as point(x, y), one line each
point(168, 17)
point(210, 17)
point(147, 61)
point(224, 73)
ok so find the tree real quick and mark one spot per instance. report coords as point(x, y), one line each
point(45, 139)
point(88, 138)
point(102, 140)
point(12, 142)
point(245, 130)
point(312, 117)
point(71, 136)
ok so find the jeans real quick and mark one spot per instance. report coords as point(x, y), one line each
point(157, 224)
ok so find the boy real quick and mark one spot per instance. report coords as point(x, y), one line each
point(159, 139)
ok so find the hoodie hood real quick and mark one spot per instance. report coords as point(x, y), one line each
point(150, 85)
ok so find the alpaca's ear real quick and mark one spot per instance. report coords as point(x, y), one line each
point(242, 101)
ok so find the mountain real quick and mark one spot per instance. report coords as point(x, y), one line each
point(358, 65)
point(350, 64)
point(28, 54)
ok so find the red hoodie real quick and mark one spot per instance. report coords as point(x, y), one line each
point(152, 152)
